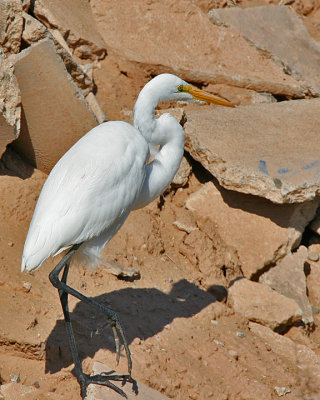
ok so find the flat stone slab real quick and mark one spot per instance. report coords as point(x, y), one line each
point(261, 232)
point(259, 303)
point(288, 278)
point(282, 33)
point(182, 26)
point(269, 150)
point(74, 20)
point(96, 392)
point(55, 113)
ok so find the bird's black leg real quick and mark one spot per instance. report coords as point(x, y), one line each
point(112, 318)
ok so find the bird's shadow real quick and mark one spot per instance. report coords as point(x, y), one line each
point(143, 313)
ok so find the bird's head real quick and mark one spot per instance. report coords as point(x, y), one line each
point(172, 88)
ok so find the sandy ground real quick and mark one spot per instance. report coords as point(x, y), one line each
point(185, 339)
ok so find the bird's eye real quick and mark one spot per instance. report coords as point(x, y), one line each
point(180, 88)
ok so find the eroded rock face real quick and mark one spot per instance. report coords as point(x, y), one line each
point(55, 113)
point(10, 103)
point(174, 31)
point(11, 24)
point(296, 52)
point(258, 149)
point(74, 20)
point(258, 303)
point(34, 31)
point(261, 232)
point(288, 278)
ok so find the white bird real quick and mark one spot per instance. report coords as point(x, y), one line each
point(92, 189)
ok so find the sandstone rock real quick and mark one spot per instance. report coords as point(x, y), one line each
point(75, 22)
point(10, 104)
point(258, 149)
point(11, 24)
point(181, 177)
point(35, 31)
point(313, 279)
point(258, 303)
point(182, 26)
point(14, 391)
point(288, 278)
point(55, 114)
point(95, 107)
point(296, 51)
point(96, 392)
point(261, 232)
point(301, 356)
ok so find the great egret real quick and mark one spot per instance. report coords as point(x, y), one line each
point(94, 186)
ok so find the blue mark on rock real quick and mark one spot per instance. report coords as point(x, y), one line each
point(263, 167)
point(311, 165)
point(284, 170)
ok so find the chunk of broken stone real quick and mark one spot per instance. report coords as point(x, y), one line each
point(260, 231)
point(11, 24)
point(10, 104)
point(34, 31)
point(259, 303)
point(74, 20)
point(222, 61)
point(288, 278)
point(96, 108)
point(96, 392)
point(257, 149)
point(182, 176)
point(297, 52)
point(301, 356)
point(55, 113)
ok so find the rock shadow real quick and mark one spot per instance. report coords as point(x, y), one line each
point(143, 314)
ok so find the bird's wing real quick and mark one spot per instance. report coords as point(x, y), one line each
point(95, 183)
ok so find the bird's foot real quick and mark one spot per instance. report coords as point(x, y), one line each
point(104, 379)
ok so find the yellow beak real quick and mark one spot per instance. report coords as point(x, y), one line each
point(202, 95)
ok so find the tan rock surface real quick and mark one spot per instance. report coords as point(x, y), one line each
point(34, 31)
point(10, 104)
point(258, 303)
point(74, 20)
point(96, 392)
point(11, 24)
point(288, 278)
point(305, 359)
point(58, 115)
point(219, 58)
point(297, 52)
point(259, 231)
point(258, 149)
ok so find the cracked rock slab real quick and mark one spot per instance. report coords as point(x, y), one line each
point(96, 392)
point(34, 31)
point(282, 33)
point(10, 104)
point(259, 303)
point(182, 26)
point(269, 150)
point(288, 278)
point(261, 232)
point(55, 113)
point(75, 22)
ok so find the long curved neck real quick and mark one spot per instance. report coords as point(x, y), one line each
point(169, 135)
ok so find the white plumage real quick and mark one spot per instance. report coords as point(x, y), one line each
point(94, 186)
